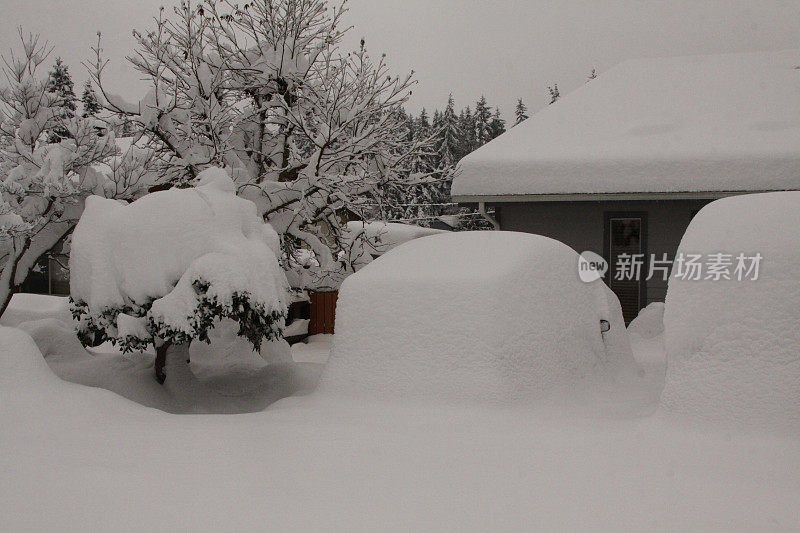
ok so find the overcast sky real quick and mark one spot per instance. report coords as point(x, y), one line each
point(504, 49)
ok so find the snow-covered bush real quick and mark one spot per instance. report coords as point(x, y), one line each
point(733, 346)
point(489, 316)
point(306, 131)
point(164, 268)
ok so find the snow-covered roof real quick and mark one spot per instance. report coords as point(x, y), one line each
point(683, 124)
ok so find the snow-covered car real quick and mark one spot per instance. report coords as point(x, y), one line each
point(487, 316)
point(731, 325)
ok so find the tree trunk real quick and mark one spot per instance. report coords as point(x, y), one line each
point(5, 294)
point(162, 350)
point(161, 360)
point(7, 276)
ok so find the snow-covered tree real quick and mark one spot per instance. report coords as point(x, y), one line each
point(60, 84)
point(306, 131)
point(466, 122)
point(449, 137)
point(91, 107)
point(521, 112)
point(483, 117)
point(167, 268)
point(497, 126)
point(422, 160)
point(42, 184)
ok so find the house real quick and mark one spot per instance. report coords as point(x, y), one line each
point(621, 165)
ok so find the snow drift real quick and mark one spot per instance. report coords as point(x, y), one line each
point(487, 316)
point(733, 346)
point(82, 458)
point(25, 307)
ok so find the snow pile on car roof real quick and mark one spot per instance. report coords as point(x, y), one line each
point(734, 346)
point(487, 316)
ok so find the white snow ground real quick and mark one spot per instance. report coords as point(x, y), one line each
point(78, 457)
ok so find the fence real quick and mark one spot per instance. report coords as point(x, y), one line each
point(323, 312)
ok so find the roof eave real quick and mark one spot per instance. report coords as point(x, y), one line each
point(594, 197)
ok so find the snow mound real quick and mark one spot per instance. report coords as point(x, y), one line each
point(25, 307)
point(477, 316)
point(229, 351)
point(734, 346)
point(649, 323)
point(158, 266)
point(22, 364)
point(54, 337)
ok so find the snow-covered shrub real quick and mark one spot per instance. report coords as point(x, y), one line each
point(165, 267)
point(489, 316)
point(733, 346)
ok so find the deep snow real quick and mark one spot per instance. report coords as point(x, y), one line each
point(83, 458)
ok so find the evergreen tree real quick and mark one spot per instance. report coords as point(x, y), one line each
point(89, 99)
point(423, 125)
point(437, 119)
point(422, 161)
point(521, 112)
point(408, 120)
point(466, 122)
point(60, 84)
point(450, 136)
point(554, 94)
point(483, 116)
point(497, 126)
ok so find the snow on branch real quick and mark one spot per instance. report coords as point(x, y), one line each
point(264, 90)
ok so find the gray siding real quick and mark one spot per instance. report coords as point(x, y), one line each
point(581, 226)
